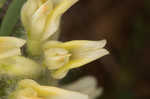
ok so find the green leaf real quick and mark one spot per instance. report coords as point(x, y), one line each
point(11, 17)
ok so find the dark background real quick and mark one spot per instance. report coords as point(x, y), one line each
point(125, 73)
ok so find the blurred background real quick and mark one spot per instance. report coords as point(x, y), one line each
point(125, 73)
point(125, 24)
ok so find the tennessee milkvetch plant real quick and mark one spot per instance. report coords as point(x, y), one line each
point(41, 20)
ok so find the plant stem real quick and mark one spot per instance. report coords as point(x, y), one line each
point(34, 48)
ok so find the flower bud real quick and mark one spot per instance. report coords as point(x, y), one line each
point(56, 58)
point(41, 18)
point(10, 46)
point(74, 54)
point(19, 66)
point(29, 89)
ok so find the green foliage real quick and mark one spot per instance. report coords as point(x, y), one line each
point(6, 85)
point(11, 17)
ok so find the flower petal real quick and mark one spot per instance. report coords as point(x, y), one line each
point(51, 44)
point(39, 19)
point(48, 92)
point(75, 44)
point(81, 44)
point(19, 66)
point(80, 61)
point(10, 46)
point(8, 53)
point(86, 85)
point(83, 52)
point(11, 41)
point(56, 58)
point(83, 58)
point(54, 18)
point(27, 11)
point(59, 75)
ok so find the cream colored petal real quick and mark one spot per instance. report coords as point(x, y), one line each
point(56, 2)
point(83, 52)
point(10, 46)
point(78, 62)
point(82, 84)
point(48, 92)
point(81, 44)
point(85, 58)
point(63, 6)
point(68, 95)
point(5, 53)
point(56, 58)
point(19, 66)
point(24, 94)
point(87, 85)
point(54, 63)
point(27, 11)
point(39, 19)
point(54, 18)
point(11, 42)
point(59, 75)
point(51, 28)
point(75, 44)
point(44, 10)
point(51, 44)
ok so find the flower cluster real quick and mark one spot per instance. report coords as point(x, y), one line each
point(41, 20)
point(12, 62)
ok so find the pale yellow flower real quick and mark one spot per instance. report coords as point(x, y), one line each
point(41, 18)
point(29, 89)
point(19, 66)
point(10, 46)
point(87, 85)
point(61, 57)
